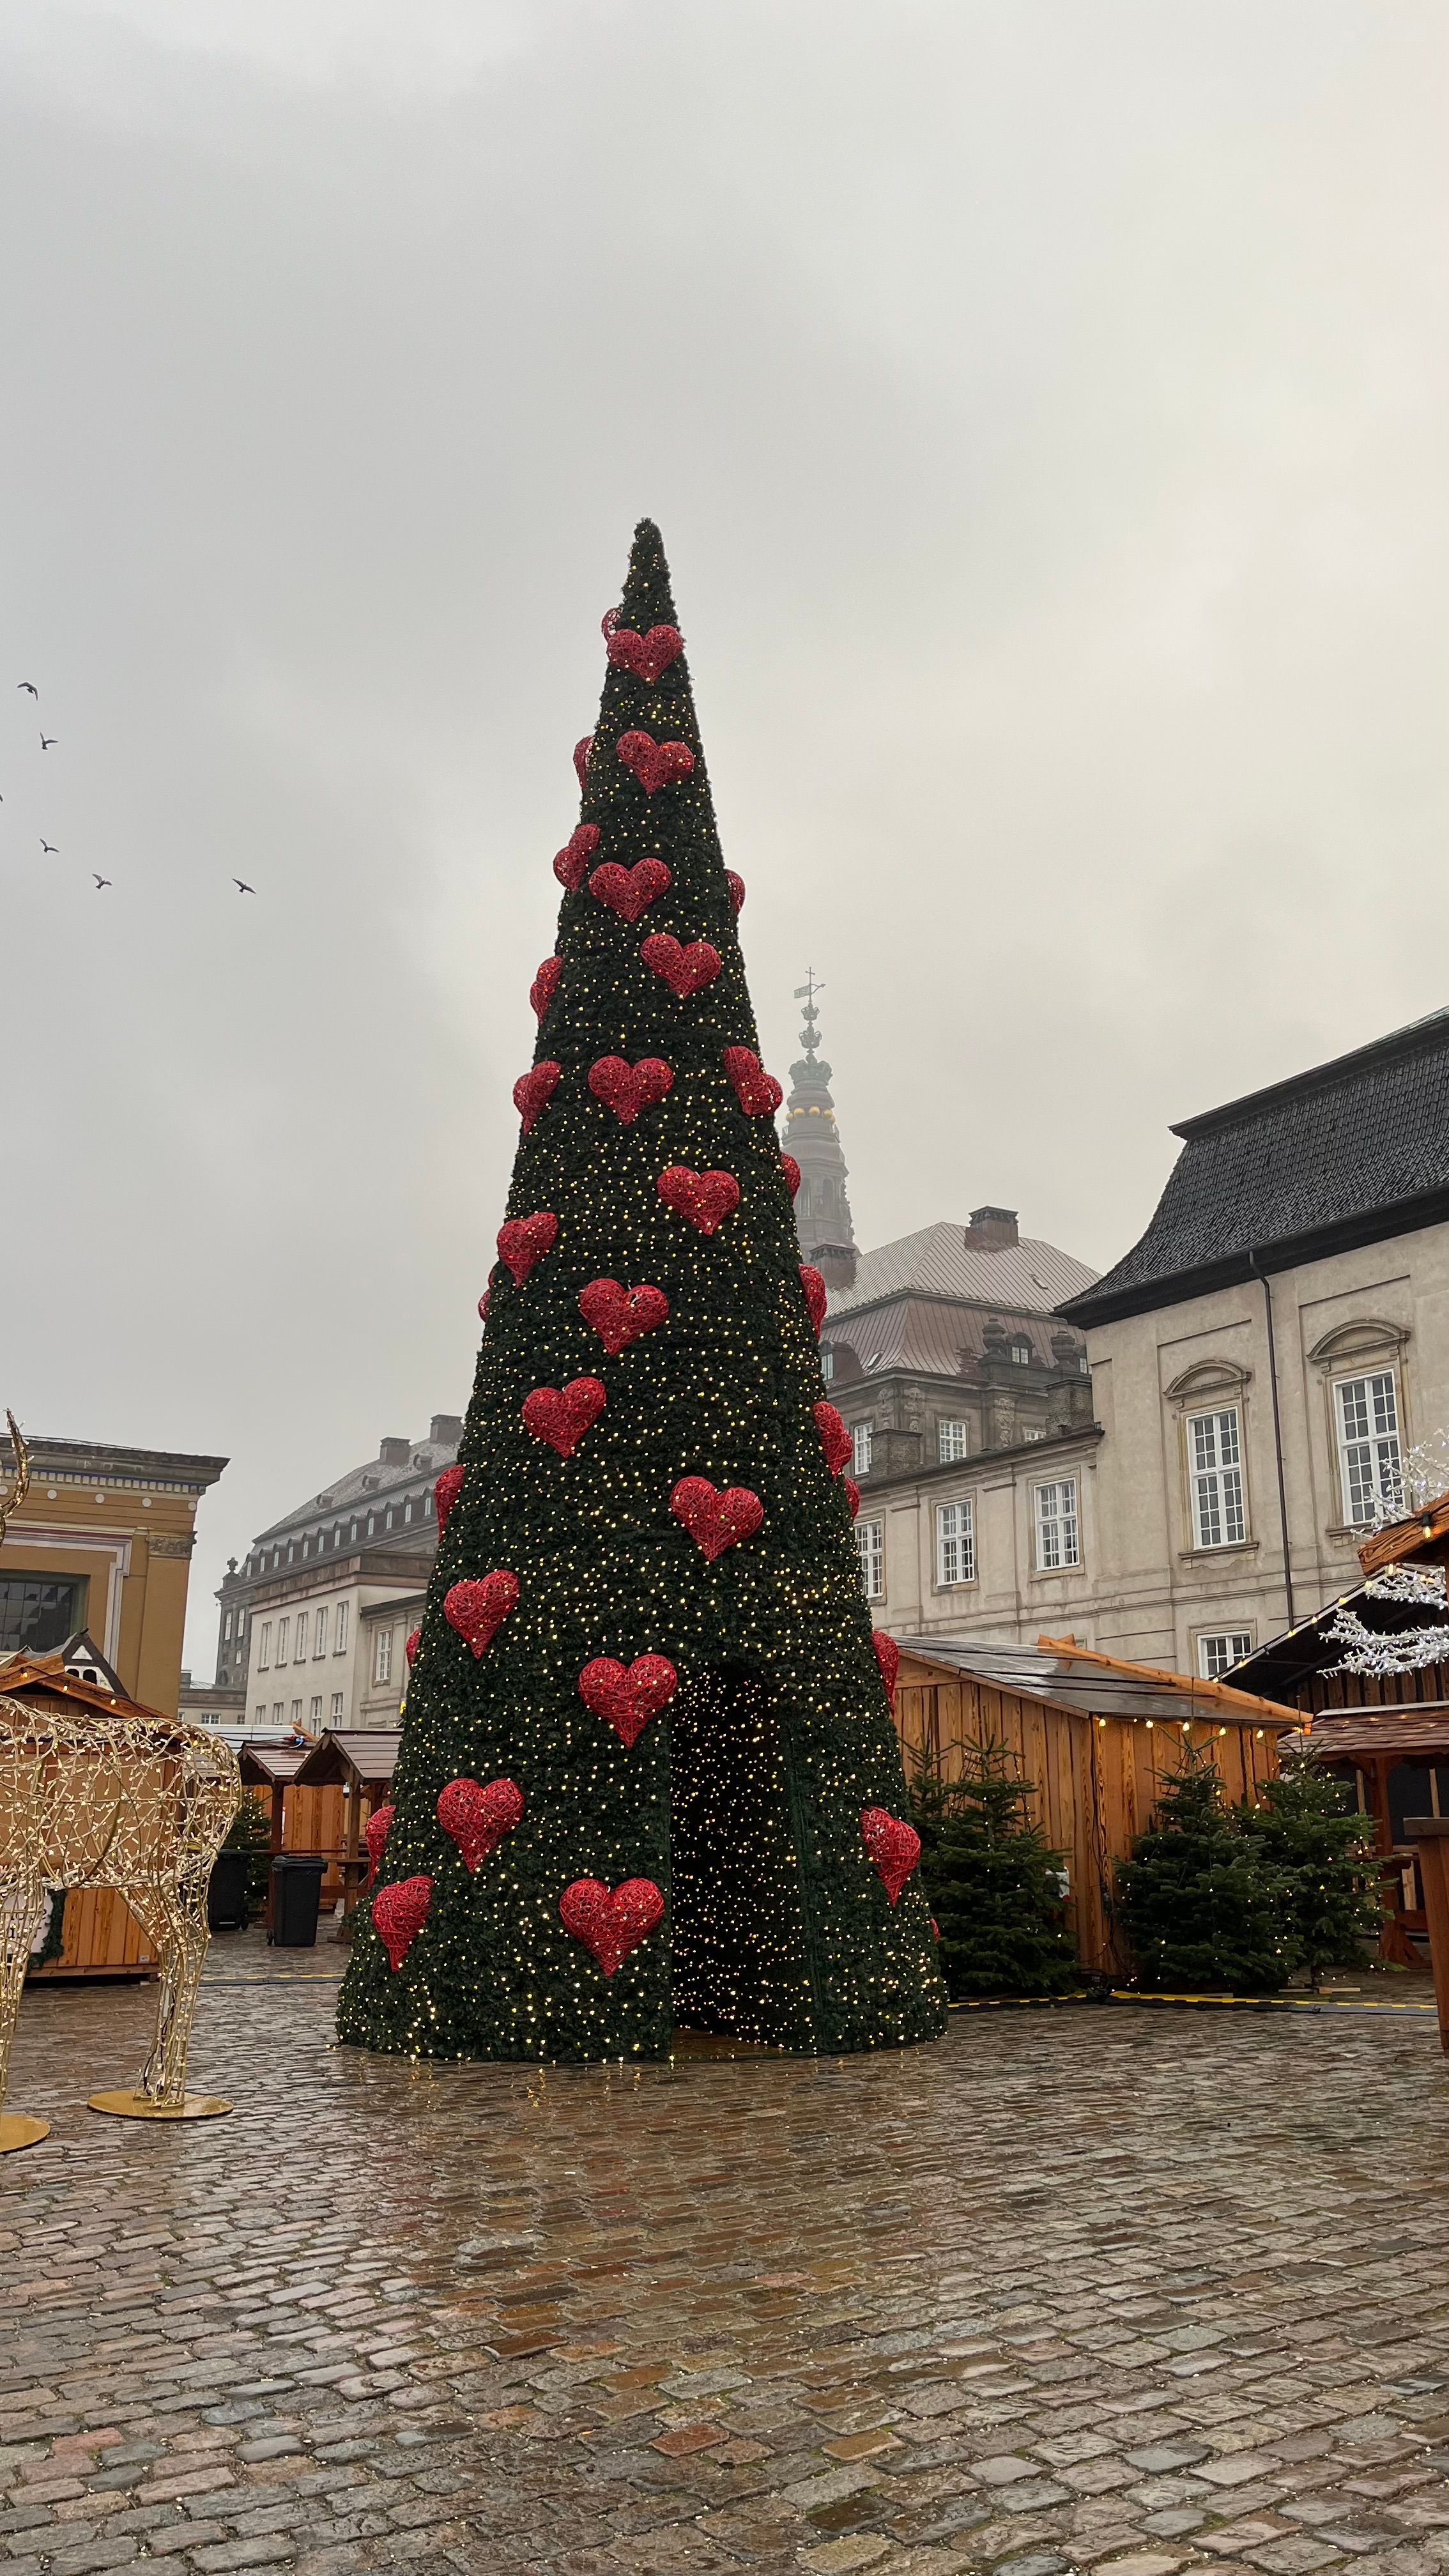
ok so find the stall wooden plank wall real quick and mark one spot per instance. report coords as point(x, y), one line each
point(1094, 1779)
point(102, 1938)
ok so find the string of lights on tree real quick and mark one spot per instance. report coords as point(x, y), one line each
point(648, 1774)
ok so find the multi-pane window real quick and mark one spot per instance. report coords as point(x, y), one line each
point(1215, 1654)
point(1058, 1541)
point(1215, 1478)
point(264, 1652)
point(382, 1656)
point(870, 1548)
point(950, 1441)
point(955, 1542)
point(279, 1711)
point(300, 1656)
point(337, 1708)
point(319, 1633)
point(827, 1365)
point(226, 1628)
point(36, 1614)
point(1021, 1353)
point(860, 1449)
point(282, 1626)
point(261, 1712)
point(296, 1717)
point(340, 1648)
point(1367, 1410)
point(314, 1713)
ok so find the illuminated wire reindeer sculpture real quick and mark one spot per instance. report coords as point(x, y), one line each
point(99, 1797)
point(20, 1481)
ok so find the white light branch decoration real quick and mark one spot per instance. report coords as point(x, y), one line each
point(1372, 1650)
point(1423, 1478)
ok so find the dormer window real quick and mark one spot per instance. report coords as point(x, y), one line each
point(1021, 1352)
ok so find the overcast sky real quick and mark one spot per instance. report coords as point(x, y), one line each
point(1044, 404)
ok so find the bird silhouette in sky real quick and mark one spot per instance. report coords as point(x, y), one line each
point(100, 881)
point(30, 685)
point(48, 741)
point(242, 887)
point(50, 846)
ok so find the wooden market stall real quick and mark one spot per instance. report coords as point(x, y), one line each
point(100, 1936)
point(1092, 1733)
point(352, 1768)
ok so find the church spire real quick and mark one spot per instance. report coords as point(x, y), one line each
point(822, 1207)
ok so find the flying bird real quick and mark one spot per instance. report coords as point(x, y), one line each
point(242, 887)
point(30, 685)
point(100, 881)
point(48, 741)
point(50, 846)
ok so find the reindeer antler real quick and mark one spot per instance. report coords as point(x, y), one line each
point(20, 1485)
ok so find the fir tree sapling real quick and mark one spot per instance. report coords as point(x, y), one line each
point(1202, 1902)
point(250, 1831)
point(645, 1637)
point(997, 1889)
point(1321, 1852)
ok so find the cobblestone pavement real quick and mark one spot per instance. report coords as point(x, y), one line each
point(1142, 2291)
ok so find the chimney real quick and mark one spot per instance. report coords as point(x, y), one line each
point(445, 1430)
point(991, 1229)
point(395, 1453)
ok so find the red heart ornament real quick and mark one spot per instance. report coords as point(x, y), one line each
point(852, 1496)
point(582, 749)
point(816, 1293)
point(630, 891)
point(619, 1315)
point(627, 1696)
point(545, 984)
point(716, 1520)
point(374, 1835)
point(684, 970)
point(704, 1198)
point(446, 1491)
point(562, 1414)
point(572, 863)
point(532, 1092)
point(894, 1847)
point(610, 1922)
point(835, 1440)
point(737, 889)
point(888, 1656)
point(647, 656)
point(477, 1819)
point(483, 1304)
point(791, 1170)
point(414, 1640)
point(524, 1240)
point(609, 621)
point(757, 1092)
point(628, 1088)
point(399, 1913)
point(654, 764)
point(476, 1610)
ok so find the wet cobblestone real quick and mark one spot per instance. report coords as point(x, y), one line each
point(1140, 2292)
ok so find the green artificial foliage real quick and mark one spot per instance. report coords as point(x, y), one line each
point(54, 1941)
point(1321, 1850)
point(995, 1885)
point(742, 1797)
point(250, 1831)
point(1201, 1901)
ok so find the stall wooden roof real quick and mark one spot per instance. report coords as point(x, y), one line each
point(1381, 1734)
point(1407, 1537)
point(1088, 1684)
point(22, 1675)
point(364, 1753)
point(271, 1766)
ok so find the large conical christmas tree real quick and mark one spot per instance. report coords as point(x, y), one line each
point(648, 1778)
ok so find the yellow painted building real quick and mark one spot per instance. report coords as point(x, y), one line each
point(102, 1542)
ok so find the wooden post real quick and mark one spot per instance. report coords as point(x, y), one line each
point(1431, 1833)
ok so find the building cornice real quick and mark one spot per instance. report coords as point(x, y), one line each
point(93, 1462)
point(1292, 1252)
point(1084, 1435)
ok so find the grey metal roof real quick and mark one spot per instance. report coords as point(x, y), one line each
point(1090, 1688)
point(935, 1334)
point(1030, 1277)
point(368, 1485)
point(1349, 1152)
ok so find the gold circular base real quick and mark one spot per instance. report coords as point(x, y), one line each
point(17, 2129)
point(134, 2106)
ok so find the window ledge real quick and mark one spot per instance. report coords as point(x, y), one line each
point(1208, 1555)
point(1054, 1573)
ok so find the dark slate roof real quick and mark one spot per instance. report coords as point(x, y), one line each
point(1348, 1153)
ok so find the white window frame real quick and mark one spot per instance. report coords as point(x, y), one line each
point(1216, 1493)
point(299, 1648)
point(337, 1700)
point(1056, 1525)
point(827, 1364)
point(264, 1652)
point(382, 1657)
point(1236, 1643)
point(319, 1633)
point(1021, 1350)
point(282, 1627)
point(861, 1442)
point(955, 1543)
point(339, 1643)
point(870, 1548)
point(296, 1716)
point(951, 1443)
point(1368, 1435)
point(261, 1715)
point(314, 1709)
